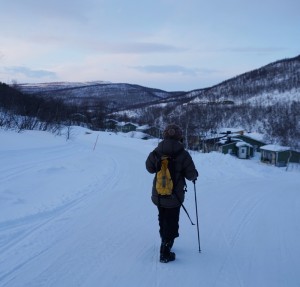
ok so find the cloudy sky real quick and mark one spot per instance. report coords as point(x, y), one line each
point(166, 44)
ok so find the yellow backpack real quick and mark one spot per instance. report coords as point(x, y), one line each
point(164, 183)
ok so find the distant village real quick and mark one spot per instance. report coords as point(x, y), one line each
point(236, 142)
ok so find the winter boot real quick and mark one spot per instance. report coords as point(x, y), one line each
point(169, 243)
point(165, 251)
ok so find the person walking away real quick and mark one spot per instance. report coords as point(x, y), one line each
point(168, 206)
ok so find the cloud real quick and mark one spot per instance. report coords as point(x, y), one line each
point(172, 69)
point(27, 72)
point(135, 48)
point(253, 49)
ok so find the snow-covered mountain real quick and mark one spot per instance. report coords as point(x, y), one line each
point(118, 95)
point(278, 81)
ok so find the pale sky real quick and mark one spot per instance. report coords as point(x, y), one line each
point(165, 44)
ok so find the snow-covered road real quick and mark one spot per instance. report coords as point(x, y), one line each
point(74, 216)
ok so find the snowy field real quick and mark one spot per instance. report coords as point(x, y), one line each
point(74, 216)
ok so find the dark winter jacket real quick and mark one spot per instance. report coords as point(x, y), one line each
point(184, 169)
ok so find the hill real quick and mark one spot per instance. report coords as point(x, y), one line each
point(266, 100)
point(115, 95)
point(278, 81)
point(275, 82)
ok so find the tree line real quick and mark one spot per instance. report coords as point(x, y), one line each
point(21, 111)
point(279, 122)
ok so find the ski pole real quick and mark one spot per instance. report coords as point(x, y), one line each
point(96, 142)
point(197, 216)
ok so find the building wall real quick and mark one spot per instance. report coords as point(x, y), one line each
point(295, 157)
point(229, 147)
point(280, 158)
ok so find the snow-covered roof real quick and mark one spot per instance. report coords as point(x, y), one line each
point(144, 127)
point(222, 141)
point(121, 124)
point(255, 136)
point(272, 147)
point(241, 143)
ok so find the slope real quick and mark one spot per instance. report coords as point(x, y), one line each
point(117, 95)
point(279, 80)
point(74, 216)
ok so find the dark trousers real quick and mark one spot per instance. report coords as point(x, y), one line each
point(168, 219)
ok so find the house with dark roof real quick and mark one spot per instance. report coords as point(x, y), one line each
point(237, 147)
point(255, 143)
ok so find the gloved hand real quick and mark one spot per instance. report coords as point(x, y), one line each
point(194, 180)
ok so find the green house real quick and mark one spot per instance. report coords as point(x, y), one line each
point(278, 155)
point(255, 143)
point(228, 148)
point(240, 149)
point(126, 127)
point(110, 124)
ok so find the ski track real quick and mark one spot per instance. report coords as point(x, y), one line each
point(35, 226)
point(232, 239)
point(23, 229)
point(106, 233)
point(48, 155)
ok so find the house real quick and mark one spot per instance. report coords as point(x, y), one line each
point(110, 124)
point(254, 142)
point(150, 130)
point(236, 147)
point(279, 155)
point(206, 142)
point(210, 143)
point(227, 147)
point(275, 154)
point(126, 127)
